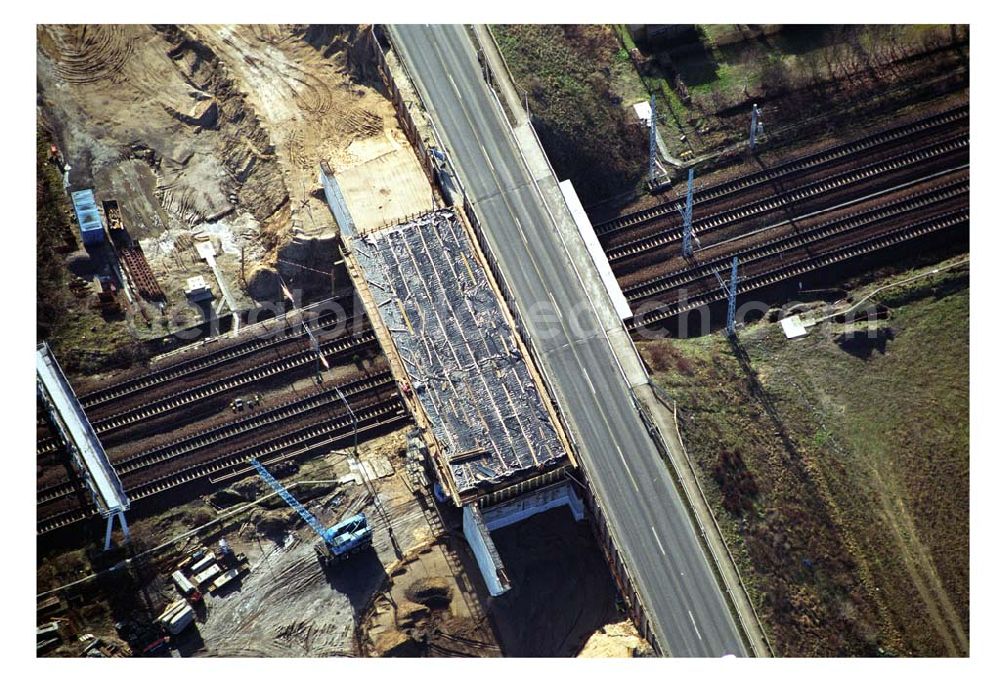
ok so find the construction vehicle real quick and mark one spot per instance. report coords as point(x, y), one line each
point(143, 639)
point(339, 542)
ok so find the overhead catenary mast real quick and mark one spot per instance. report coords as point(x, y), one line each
point(652, 139)
point(731, 311)
point(756, 127)
point(686, 249)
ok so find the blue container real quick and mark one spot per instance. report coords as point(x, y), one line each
point(89, 217)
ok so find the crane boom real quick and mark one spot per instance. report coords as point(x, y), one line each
point(289, 499)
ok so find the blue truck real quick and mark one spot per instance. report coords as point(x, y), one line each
point(339, 542)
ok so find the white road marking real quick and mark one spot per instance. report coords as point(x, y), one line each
point(556, 306)
point(534, 263)
point(520, 231)
point(659, 544)
point(627, 469)
point(691, 616)
point(454, 86)
point(490, 163)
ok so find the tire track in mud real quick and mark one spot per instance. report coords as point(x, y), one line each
point(82, 54)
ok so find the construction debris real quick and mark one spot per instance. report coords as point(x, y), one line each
point(616, 640)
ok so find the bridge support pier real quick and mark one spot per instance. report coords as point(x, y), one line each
point(111, 524)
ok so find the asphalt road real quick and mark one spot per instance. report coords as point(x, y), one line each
point(644, 510)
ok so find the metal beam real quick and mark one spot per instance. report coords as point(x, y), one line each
point(304, 513)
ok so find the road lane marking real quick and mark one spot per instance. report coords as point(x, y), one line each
point(454, 86)
point(556, 306)
point(520, 231)
point(627, 469)
point(509, 143)
point(658, 543)
point(493, 170)
point(691, 616)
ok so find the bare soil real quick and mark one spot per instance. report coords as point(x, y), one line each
point(616, 640)
point(288, 605)
point(216, 133)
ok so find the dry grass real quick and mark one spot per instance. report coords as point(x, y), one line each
point(572, 76)
point(855, 539)
point(809, 79)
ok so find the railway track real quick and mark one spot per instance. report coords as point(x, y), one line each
point(788, 271)
point(868, 218)
point(313, 438)
point(199, 441)
point(195, 365)
point(189, 396)
point(811, 162)
point(787, 199)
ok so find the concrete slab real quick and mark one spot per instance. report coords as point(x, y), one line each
point(388, 186)
point(597, 255)
point(793, 327)
point(610, 324)
point(541, 172)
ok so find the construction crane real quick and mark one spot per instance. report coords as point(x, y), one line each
point(342, 540)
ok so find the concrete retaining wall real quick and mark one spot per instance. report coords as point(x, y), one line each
point(487, 557)
point(402, 112)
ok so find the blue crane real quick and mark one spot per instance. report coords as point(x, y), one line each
point(339, 541)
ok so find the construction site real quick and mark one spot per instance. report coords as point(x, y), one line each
point(328, 365)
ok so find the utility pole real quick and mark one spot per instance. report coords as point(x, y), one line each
point(364, 475)
point(652, 138)
point(354, 420)
point(731, 312)
point(686, 250)
point(756, 127)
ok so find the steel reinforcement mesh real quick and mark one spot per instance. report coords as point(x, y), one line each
point(458, 350)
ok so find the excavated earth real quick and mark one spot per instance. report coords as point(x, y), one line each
point(215, 132)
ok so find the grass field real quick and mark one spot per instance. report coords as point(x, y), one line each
point(839, 470)
point(802, 75)
point(813, 82)
point(574, 76)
